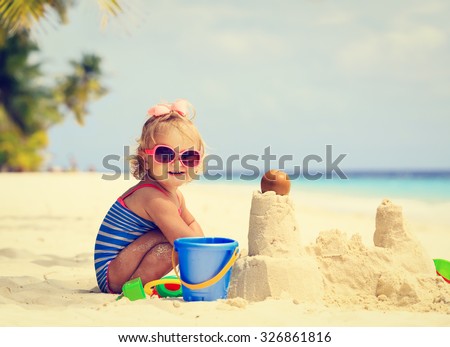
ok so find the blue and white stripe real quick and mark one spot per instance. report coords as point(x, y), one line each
point(119, 228)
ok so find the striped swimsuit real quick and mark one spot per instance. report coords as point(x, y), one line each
point(119, 228)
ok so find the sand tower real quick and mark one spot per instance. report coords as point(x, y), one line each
point(391, 233)
point(275, 265)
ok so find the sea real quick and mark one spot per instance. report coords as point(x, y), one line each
point(431, 186)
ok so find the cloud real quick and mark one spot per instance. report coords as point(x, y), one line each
point(229, 31)
point(428, 8)
point(410, 46)
point(424, 37)
point(405, 39)
point(248, 44)
point(336, 18)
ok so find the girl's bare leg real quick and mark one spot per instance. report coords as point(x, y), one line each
point(148, 257)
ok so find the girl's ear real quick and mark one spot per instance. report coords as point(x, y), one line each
point(141, 158)
point(145, 161)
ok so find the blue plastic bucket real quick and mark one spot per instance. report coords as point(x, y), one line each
point(200, 259)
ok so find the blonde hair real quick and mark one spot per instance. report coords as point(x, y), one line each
point(163, 124)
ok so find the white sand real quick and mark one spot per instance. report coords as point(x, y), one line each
point(48, 225)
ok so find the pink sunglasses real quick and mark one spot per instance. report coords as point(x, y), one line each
point(165, 155)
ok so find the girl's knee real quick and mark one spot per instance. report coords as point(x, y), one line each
point(163, 250)
point(152, 238)
point(156, 263)
point(162, 255)
point(159, 257)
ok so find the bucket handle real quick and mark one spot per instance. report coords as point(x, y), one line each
point(211, 281)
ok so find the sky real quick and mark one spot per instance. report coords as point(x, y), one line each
point(371, 79)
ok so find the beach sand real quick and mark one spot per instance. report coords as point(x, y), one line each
point(49, 221)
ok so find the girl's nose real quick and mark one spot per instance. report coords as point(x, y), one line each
point(177, 162)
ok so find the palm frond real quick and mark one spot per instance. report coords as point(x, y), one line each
point(110, 6)
point(83, 85)
point(21, 15)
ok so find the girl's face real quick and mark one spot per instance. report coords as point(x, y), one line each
point(172, 174)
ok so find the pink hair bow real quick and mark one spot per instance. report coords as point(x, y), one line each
point(180, 106)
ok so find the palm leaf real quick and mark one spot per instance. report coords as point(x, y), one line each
point(83, 85)
point(110, 6)
point(20, 15)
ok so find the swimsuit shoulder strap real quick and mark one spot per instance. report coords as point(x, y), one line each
point(123, 197)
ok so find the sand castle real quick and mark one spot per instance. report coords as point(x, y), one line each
point(275, 265)
point(395, 272)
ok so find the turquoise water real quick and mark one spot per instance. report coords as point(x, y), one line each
point(433, 187)
point(430, 189)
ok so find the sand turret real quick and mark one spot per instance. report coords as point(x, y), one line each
point(273, 229)
point(391, 232)
point(275, 266)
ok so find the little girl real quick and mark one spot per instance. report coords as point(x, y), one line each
point(136, 236)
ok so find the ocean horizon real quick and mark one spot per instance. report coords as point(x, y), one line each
point(428, 185)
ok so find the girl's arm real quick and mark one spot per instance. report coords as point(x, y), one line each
point(164, 213)
point(189, 218)
point(196, 227)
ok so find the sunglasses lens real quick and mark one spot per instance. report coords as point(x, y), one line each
point(164, 154)
point(191, 158)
